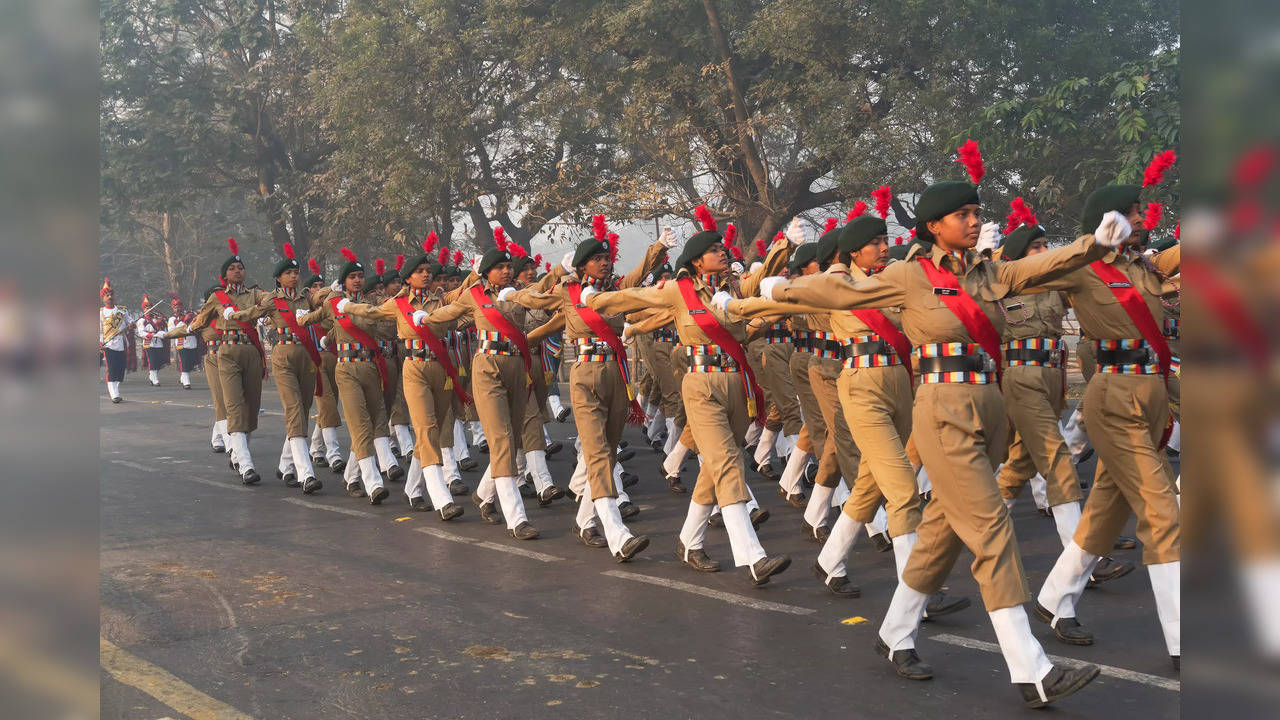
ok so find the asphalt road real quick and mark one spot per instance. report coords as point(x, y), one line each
point(223, 601)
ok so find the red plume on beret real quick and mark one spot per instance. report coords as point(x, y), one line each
point(1019, 215)
point(598, 228)
point(429, 244)
point(882, 195)
point(912, 234)
point(730, 234)
point(457, 257)
point(613, 247)
point(779, 236)
point(235, 246)
point(1151, 220)
point(704, 216)
point(761, 248)
point(1154, 174)
point(1177, 231)
point(349, 254)
point(537, 260)
point(856, 211)
point(500, 238)
point(443, 257)
point(517, 250)
point(288, 250)
point(315, 266)
point(736, 252)
point(971, 158)
point(379, 266)
point(399, 262)
point(830, 225)
point(548, 267)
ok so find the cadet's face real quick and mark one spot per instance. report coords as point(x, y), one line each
point(499, 275)
point(598, 266)
point(420, 278)
point(394, 286)
point(526, 276)
point(811, 269)
point(453, 282)
point(1134, 216)
point(874, 254)
point(316, 285)
point(958, 230)
point(715, 260)
point(235, 273)
point(1036, 247)
point(354, 282)
point(289, 278)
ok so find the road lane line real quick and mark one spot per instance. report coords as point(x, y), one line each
point(184, 474)
point(1108, 670)
point(162, 685)
point(330, 508)
point(446, 535)
point(714, 594)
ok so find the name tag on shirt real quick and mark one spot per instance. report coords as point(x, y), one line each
point(945, 291)
point(1119, 284)
point(1015, 306)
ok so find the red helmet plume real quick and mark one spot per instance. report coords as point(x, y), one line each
point(855, 211)
point(830, 225)
point(516, 250)
point(457, 258)
point(288, 250)
point(704, 216)
point(500, 238)
point(883, 195)
point(1151, 219)
point(315, 266)
point(598, 228)
point(1154, 174)
point(379, 266)
point(430, 242)
point(235, 246)
point(349, 254)
point(613, 247)
point(537, 260)
point(761, 248)
point(730, 234)
point(971, 158)
point(548, 266)
point(1019, 215)
point(443, 257)
point(399, 262)
point(736, 252)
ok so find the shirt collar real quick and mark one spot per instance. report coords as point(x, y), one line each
point(712, 280)
point(959, 262)
point(234, 289)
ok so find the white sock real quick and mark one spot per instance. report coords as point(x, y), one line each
point(215, 437)
point(902, 619)
point(370, 475)
point(785, 445)
point(844, 532)
point(286, 458)
point(460, 448)
point(902, 551)
point(586, 517)
point(615, 531)
point(651, 429)
point(1022, 652)
point(184, 378)
point(546, 434)
point(556, 405)
point(1039, 491)
point(1260, 584)
point(1066, 581)
point(433, 478)
point(404, 438)
point(695, 526)
point(487, 490)
point(742, 536)
point(477, 432)
point(1074, 433)
point(451, 471)
point(386, 458)
point(923, 485)
point(764, 450)
point(113, 388)
point(753, 434)
point(331, 448)
point(671, 466)
point(413, 482)
point(351, 473)
point(578, 484)
point(317, 440)
point(815, 513)
point(301, 457)
point(623, 497)
point(536, 460)
point(840, 494)
point(1166, 583)
point(240, 451)
point(790, 480)
point(509, 498)
point(673, 439)
point(1175, 437)
point(1066, 517)
point(154, 375)
point(879, 524)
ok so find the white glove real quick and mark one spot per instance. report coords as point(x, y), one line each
point(226, 312)
point(721, 300)
point(795, 233)
point(988, 237)
point(419, 317)
point(335, 286)
point(1113, 230)
point(667, 238)
point(299, 313)
point(736, 267)
point(767, 285)
point(324, 342)
point(566, 262)
point(476, 264)
point(504, 292)
point(160, 335)
point(342, 304)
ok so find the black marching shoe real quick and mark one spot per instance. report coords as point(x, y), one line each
point(337, 466)
point(117, 400)
point(1045, 512)
point(629, 479)
point(939, 604)
point(696, 559)
point(419, 504)
point(759, 516)
point(457, 487)
point(355, 491)
point(250, 477)
point(766, 469)
point(838, 585)
point(626, 454)
point(817, 534)
point(926, 496)
point(796, 500)
point(715, 520)
point(394, 474)
point(1057, 684)
point(451, 511)
point(767, 567)
point(526, 490)
point(592, 538)
point(907, 662)
point(289, 478)
point(378, 496)
point(882, 542)
point(677, 487)
point(628, 510)
point(310, 485)
point(468, 464)
point(489, 513)
point(631, 547)
point(1109, 569)
point(1124, 542)
point(551, 492)
point(554, 447)
point(484, 446)
point(562, 415)
point(810, 474)
point(186, 387)
point(524, 531)
point(219, 448)
point(1067, 630)
point(319, 461)
point(656, 444)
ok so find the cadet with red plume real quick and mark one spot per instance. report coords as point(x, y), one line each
point(113, 337)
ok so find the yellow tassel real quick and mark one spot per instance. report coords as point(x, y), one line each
point(547, 376)
point(751, 407)
point(462, 370)
point(631, 392)
point(448, 383)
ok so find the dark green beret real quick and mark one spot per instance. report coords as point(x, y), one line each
point(860, 231)
point(1016, 243)
point(587, 249)
point(1105, 199)
point(284, 264)
point(314, 279)
point(350, 267)
point(519, 264)
point(827, 246)
point(390, 276)
point(664, 268)
point(407, 269)
point(803, 255)
point(492, 257)
point(941, 199)
point(697, 245)
point(227, 263)
point(1165, 244)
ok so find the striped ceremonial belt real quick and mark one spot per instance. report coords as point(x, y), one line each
point(233, 337)
point(353, 352)
point(709, 359)
point(800, 338)
point(777, 333)
point(283, 336)
point(416, 349)
point(494, 343)
point(824, 345)
point(664, 334)
point(869, 351)
point(1129, 356)
point(1033, 352)
point(965, 363)
point(591, 350)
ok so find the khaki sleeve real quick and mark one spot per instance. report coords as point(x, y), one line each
point(547, 329)
point(368, 311)
point(1169, 262)
point(841, 292)
point(614, 302)
point(758, 308)
point(774, 263)
point(260, 308)
point(538, 299)
point(1050, 270)
point(457, 292)
point(454, 310)
point(647, 265)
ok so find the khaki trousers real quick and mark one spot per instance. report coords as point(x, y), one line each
point(600, 407)
point(839, 453)
point(240, 374)
point(215, 386)
point(668, 379)
point(1034, 401)
point(363, 405)
point(779, 390)
point(398, 413)
point(327, 404)
point(716, 404)
point(501, 391)
point(295, 377)
point(815, 427)
point(877, 408)
point(429, 404)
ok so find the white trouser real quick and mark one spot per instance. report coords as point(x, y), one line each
point(1066, 581)
point(578, 484)
point(184, 378)
point(477, 432)
point(240, 451)
point(923, 485)
point(487, 490)
point(1066, 517)
point(509, 498)
point(413, 479)
point(586, 517)
point(671, 465)
point(791, 474)
point(370, 475)
point(404, 438)
point(834, 551)
point(1260, 584)
point(902, 546)
point(673, 437)
point(301, 457)
point(695, 526)
point(437, 490)
point(902, 619)
point(154, 375)
point(1166, 584)
point(753, 434)
point(317, 441)
point(219, 436)
point(615, 531)
point(764, 450)
point(651, 430)
point(1074, 433)
point(451, 471)
point(815, 513)
point(1039, 491)
point(879, 524)
point(623, 497)
point(460, 448)
point(742, 535)
point(286, 458)
point(1022, 652)
point(113, 388)
point(386, 457)
point(1175, 437)
point(332, 450)
point(536, 462)
point(351, 473)
point(840, 494)
point(556, 405)
point(752, 505)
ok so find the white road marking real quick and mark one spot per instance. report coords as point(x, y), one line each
point(1108, 670)
point(162, 685)
point(714, 594)
point(184, 475)
point(446, 535)
point(330, 508)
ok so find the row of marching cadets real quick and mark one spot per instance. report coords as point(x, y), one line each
point(833, 350)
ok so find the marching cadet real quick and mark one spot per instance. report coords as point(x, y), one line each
point(219, 440)
point(779, 390)
point(1117, 300)
point(500, 376)
point(533, 441)
point(115, 329)
point(398, 414)
point(430, 379)
point(151, 329)
point(948, 295)
point(240, 363)
point(813, 434)
point(325, 450)
point(721, 396)
point(295, 361)
point(187, 348)
point(361, 377)
point(599, 381)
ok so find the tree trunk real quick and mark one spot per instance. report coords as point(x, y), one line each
point(747, 145)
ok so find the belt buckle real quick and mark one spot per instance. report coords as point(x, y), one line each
point(988, 363)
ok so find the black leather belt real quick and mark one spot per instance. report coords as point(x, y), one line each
point(501, 346)
point(417, 354)
point(871, 347)
point(1025, 355)
point(777, 334)
point(358, 354)
point(955, 363)
point(1136, 356)
point(716, 360)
